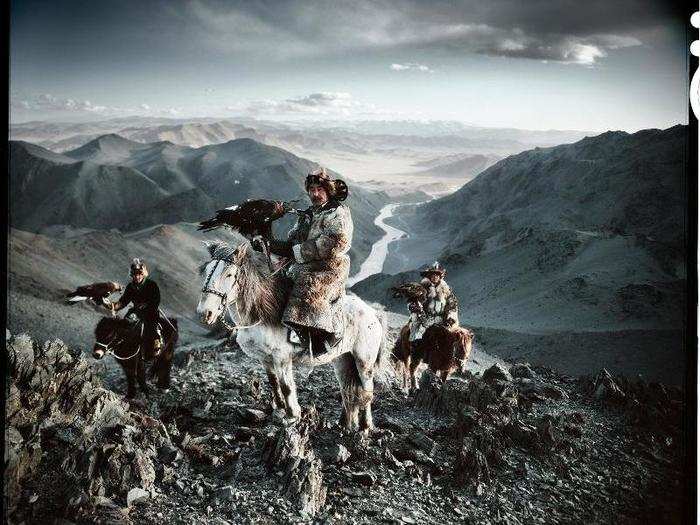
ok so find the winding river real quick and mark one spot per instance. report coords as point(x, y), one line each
point(375, 261)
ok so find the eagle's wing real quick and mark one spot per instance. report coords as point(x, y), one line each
point(252, 217)
point(93, 291)
point(410, 291)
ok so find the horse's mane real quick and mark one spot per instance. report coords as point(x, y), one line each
point(218, 250)
point(261, 295)
point(110, 324)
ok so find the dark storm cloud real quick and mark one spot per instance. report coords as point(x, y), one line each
point(575, 18)
point(565, 31)
point(557, 30)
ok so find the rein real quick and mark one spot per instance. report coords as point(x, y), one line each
point(109, 351)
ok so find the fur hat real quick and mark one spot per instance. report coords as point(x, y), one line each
point(336, 188)
point(434, 268)
point(137, 265)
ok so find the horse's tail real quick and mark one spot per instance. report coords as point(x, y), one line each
point(176, 330)
point(383, 367)
point(464, 341)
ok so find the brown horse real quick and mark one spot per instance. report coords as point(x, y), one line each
point(443, 349)
point(122, 339)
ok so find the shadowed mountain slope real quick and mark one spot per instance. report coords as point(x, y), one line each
point(580, 238)
point(113, 182)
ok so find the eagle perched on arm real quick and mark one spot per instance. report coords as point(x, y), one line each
point(250, 218)
point(96, 292)
point(412, 292)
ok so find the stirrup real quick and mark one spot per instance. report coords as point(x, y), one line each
point(328, 343)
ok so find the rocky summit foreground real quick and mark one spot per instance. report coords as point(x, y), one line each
point(509, 445)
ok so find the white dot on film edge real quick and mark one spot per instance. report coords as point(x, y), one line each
point(695, 19)
point(695, 48)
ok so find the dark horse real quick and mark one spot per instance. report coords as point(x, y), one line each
point(444, 349)
point(122, 339)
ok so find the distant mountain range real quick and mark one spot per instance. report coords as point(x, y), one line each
point(463, 167)
point(361, 151)
point(368, 137)
point(113, 182)
point(584, 236)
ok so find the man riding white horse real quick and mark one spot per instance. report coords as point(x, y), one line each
point(318, 244)
point(440, 305)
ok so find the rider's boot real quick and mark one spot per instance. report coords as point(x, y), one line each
point(322, 342)
point(157, 343)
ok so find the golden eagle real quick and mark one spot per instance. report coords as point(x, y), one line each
point(412, 292)
point(96, 292)
point(250, 218)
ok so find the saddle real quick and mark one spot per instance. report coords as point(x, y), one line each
point(137, 328)
point(304, 343)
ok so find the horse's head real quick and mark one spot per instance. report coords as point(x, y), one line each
point(219, 279)
point(107, 335)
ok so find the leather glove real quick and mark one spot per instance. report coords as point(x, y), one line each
point(281, 248)
point(415, 308)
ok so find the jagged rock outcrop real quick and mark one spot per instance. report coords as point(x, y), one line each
point(477, 451)
point(457, 392)
point(289, 451)
point(493, 413)
point(69, 435)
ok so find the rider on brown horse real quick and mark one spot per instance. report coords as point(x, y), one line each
point(145, 296)
point(318, 245)
point(440, 305)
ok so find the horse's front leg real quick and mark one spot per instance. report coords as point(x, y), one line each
point(141, 375)
point(406, 376)
point(285, 375)
point(277, 399)
point(413, 372)
point(129, 368)
point(444, 374)
point(365, 371)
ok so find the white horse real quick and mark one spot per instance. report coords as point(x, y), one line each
point(240, 276)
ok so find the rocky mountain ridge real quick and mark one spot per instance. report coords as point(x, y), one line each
point(498, 444)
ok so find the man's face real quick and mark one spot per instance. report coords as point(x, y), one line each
point(138, 277)
point(318, 195)
point(434, 278)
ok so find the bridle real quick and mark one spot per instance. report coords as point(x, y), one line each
point(223, 296)
point(208, 289)
point(112, 344)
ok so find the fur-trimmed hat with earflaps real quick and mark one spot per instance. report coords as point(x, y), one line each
point(336, 188)
point(434, 268)
point(138, 265)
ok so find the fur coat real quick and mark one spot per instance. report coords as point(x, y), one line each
point(320, 242)
point(439, 306)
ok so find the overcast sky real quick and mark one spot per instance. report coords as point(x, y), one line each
point(588, 65)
